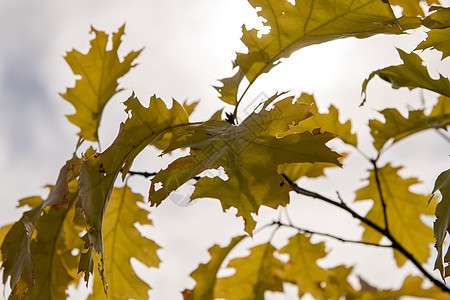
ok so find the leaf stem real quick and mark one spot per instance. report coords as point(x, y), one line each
point(395, 244)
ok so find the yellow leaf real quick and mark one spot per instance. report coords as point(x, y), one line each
point(206, 274)
point(250, 154)
point(439, 35)
point(144, 126)
point(412, 74)
point(17, 260)
point(442, 223)
point(305, 23)
point(412, 286)
point(254, 275)
point(403, 209)
point(99, 69)
point(397, 127)
point(302, 269)
point(122, 241)
point(412, 7)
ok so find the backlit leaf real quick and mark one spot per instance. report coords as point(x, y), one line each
point(305, 23)
point(99, 70)
point(254, 275)
point(143, 127)
point(412, 7)
point(51, 255)
point(17, 261)
point(439, 35)
point(412, 286)
point(206, 274)
point(250, 154)
point(122, 241)
point(412, 74)
point(442, 223)
point(302, 269)
point(397, 127)
point(403, 208)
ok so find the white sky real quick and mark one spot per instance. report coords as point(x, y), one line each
point(188, 46)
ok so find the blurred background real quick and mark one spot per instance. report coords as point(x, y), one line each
point(188, 46)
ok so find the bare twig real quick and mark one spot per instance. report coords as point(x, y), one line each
point(303, 230)
point(380, 193)
point(395, 244)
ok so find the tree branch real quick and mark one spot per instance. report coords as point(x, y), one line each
point(380, 192)
point(395, 244)
point(329, 235)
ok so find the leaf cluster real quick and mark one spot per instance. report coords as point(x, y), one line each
point(87, 224)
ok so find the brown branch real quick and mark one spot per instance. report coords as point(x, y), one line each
point(380, 192)
point(303, 230)
point(395, 244)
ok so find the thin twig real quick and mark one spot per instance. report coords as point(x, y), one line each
point(380, 193)
point(443, 135)
point(395, 244)
point(152, 174)
point(303, 230)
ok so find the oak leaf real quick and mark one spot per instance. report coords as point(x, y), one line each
point(411, 74)
point(249, 153)
point(99, 69)
point(305, 23)
point(412, 7)
point(439, 36)
point(397, 127)
point(206, 274)
point(254, 275)
point(122, 241)
point(403, 209)
point(17, 260)
point(143, 127)
point(442, 223)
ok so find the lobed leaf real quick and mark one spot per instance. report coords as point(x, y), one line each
point(250, 154)
point(303, 271)
point(412, 74)
point(99, 69)
point(254, 275)
point(144, 126)
point(17, 260)
point(439, 36)
point(442, 223)
point(412, 7)
point(305, 23)
point(122, 241)
point(403, 209)
point(397, 127)
point(206, 274)
point(412, 286)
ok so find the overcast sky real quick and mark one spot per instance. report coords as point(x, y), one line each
point(188, 46)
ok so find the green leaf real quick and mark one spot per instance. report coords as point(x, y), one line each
point(397, 127)
point(206, 274)
point(412, 74)
point(17, 261)
point(254, 275)
point(403, 209)
point(99, 69)
point(144, 126)
point(442, 223)
point(439, 35)
point(122, 241)
point(305, 23)
point(250, 154)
